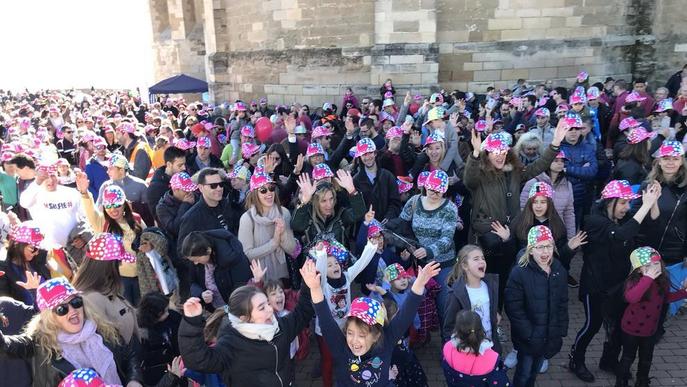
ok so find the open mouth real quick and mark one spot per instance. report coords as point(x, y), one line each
point(481, 269)
point(74, 319)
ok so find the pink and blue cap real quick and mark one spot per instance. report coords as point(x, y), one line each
point(437, 181)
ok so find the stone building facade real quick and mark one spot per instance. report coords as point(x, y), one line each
point(311, 50)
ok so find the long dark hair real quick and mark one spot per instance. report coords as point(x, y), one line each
point(469, 331)
point(99, 276)
point(152, 306)
point(662, 281)
point(15, 251)
point(113, 227)
point(196, 244)
point(285, 167)
point(527, 220)
point(638, 152)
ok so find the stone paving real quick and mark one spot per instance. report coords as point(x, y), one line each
point(669, 366)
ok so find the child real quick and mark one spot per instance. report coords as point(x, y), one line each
point(396, 282)
point(362, 352)
point(536, 301)
point(405, 369)
point(469, 359)
point(371, 230)
point(473, 289)
point(217, 320)
point(336, 285)
point(647, 290)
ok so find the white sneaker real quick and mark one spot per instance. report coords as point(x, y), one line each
point(511, 359)
point(544, 366)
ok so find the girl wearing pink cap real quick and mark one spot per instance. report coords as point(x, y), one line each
point(25, 258)
point(634, 160)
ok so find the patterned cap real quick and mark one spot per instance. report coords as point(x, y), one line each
point(107, 247)
point(314, 148)
point(113, 196)
point(578, 98)
point(627, 123)
point(562, 108)
point(388, 101)
point(638, 135)
point(27, 233)
point(364, 146)
point(561, 155)
point(436, 113)
point(634, 97)
point(422, 178)
point(240, 171)
point(436, 98)
point(248, 131)
point(126, 127)
point(538, 234)
point(394, 132)
point(481, 125)
point(203, 142)
point(437, 181)
point(670, 148)
point(240, 107)
point(573, 120)
point(248, 149)
point(664, 105)
point(222, 138)
point(54, 292)
point(395, 271)
point(259, 179)
point(374, 229)
point(540, 188)
point(582, 76)
point(620, 189)
point(495, 143)
point(434, 138)
point(119, 161)
point(320, 131)
point(332, 248)
point(197, 129)
point(643, 256)
point(147, 129)
point(182, 181)
point(99, 142)
point(542, 112)
point(184, 144)
point(404, 183)
point(84, 377)
point(367, 310)
point(593, 93)
point(321, 171)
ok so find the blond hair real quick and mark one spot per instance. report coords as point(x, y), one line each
point(458, 272)
point(524, 259)
point(43, 329)
point(317, 197)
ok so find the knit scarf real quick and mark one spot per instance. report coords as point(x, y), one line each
point(254, 331)
point(86, 349)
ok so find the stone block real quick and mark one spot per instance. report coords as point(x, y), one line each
point(407, 26)
point(542, 73)
point(405, 5)
point(479, 87)
point(560, 11)
point(487, 75)
point(536, 22)
point(504, 13)
point(453, 36)
point(528, 12)
point(464, 76)
point(497, 65)
point(573, 21)
point(404, 59)
point(505, 24)
point(680, 47)
point(514, 74)
point(472, 66)
point(430, 78)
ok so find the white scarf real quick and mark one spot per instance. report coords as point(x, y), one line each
point(254, 331)
point(86, 349)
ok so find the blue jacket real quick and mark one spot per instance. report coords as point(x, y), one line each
point(579, 175)
point(97, 175)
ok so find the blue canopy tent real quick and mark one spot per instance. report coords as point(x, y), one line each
point(178, 84)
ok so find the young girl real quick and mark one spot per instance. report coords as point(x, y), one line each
point(396, 283)
point(647, 289)
point(362, 352)
point(469, 360)
point(405, 370)
point(473, 289)
point(536, 301)
point(336, 285)
point(254, 345)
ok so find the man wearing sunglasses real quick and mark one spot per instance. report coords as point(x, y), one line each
point(65, 146)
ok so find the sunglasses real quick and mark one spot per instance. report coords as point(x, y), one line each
point(112, 206)
point(62, 310)
point(263, 190)
point(68, 131)
point(213, 185)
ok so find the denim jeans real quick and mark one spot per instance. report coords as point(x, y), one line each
point(131, 291)
point(527, 369)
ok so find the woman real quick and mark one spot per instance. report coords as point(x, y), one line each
point(67, 335)
point(220, 266)
point(24, 258)
point(100, 281)
point(634, 161)
point(666, 229)
point(527, 148)
point(432, 158)
point(320, 212)
point(611, 233)
point(118, 218)
point(279, 167)
point(537, 305)
point(493, 174)
point(562, 192)
point(265, 228)
point(433, 220)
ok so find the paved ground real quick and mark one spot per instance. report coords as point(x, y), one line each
point(669, 366)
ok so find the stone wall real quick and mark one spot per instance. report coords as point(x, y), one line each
point(311, 50)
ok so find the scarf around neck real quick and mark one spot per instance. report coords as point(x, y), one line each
point(265, 332)
point(86, 349)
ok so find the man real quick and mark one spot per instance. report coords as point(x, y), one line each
point(65, 145)
point(175, 161)
point(134, 188)
point(176, 202)
point(264, 109)
point(96, 168)
point(601, 114)
point(648, 103)
point(620, 92)
point(377, 185)
point(55, 208)
point(435, 123)
point(368, 130)
point(559, 96)
point(543, 128)
point(392, 159)
point(138, 153)
point(26, 172)
point(365, 106)
point(202, 158)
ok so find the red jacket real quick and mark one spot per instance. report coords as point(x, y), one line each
point(641, 316)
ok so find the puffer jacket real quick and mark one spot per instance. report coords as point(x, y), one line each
point(495, 196)
point(672, 245)
point(537, 307)
point(578, 174)
point(169, 212)
point(257, 363)
point(51, 373)
point(562, 199)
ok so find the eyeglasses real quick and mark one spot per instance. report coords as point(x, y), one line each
point(544, 248)
point(436, 193)
point(213, 185)
point(271, 188)
point(62, 310)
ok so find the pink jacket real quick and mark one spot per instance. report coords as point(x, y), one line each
point(470, 363)
point(562, 200)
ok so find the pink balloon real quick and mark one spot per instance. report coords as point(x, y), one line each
point(263, 129)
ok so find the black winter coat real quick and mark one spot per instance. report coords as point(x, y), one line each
point(201, 217)
point(257, 363)
point(170, 212)
point(669, 236)
point(232, 268)
point(459, 300)
point(159, 184)
point(192, 167)
point(15, 372)
point(630, 170)
point(344, 217)
point(382, 195)
point(537, 307)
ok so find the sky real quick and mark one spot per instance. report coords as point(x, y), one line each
point(75, 43)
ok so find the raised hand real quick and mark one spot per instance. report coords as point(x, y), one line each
point(407, 126)
point(652, 193)
point(407, 99)
point(578, 240)
point(310, 275)
point(257, 270)
point(476, 141)
point(559, 134)
point(177, 367)
point(193, 307)
point(375, 288)
point(32, 281)
point(425, 273)
point(290, 124)
point(369, 216)
point(652, 271)
point(82, 182)
point(350, 126)
point(307, 187)
point(502, 231)
point(345, 181)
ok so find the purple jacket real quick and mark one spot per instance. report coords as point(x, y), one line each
point(562, 200)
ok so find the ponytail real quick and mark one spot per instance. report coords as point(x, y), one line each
point(458, 272)
point(468, 331)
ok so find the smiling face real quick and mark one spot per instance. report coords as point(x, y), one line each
point(400, 284)
point(266, 196)
point(316, 159)
point(30, 253)
point(73, 321)
point(115, 213)
point(359, 337)
point(261, 312)
point(475, 265)
point(497, 159)
point(540, 205)
point(435, 151)
point(670, 165)
point(333, 268)
point(368, 159)
point(276, 299)
point(622, 206)
point(557, 165)
point(50, 183)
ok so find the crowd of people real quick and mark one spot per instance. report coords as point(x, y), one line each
point(171, 243)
